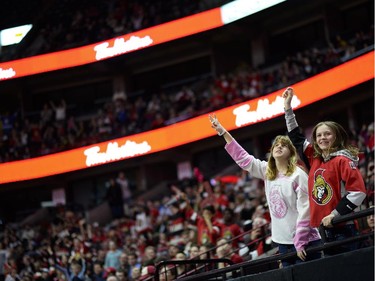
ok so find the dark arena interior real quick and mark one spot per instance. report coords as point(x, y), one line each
point(108, 160)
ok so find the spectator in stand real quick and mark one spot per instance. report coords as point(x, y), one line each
point(230, 228)
point(221, 200)
point(168, 273)
point(149, 256)
point(98, 272)
point(369, 242)
point(176, 222)
point(208, 228)
point(181, 268)
point(75, 270)
point(332, 164)
point(134, 266)
point(12, 275)
point(147, 272)
point(112, 277)
point(122, 275)
point(112, 257)
point(286, 191)
point(194, 251)
point(173, 250)
point(124, 263)
point(114, 198)
point(123, 181)
point(60, 111)
point(224, 250)
point(46, 115)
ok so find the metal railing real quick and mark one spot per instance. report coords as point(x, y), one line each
point(272, 262)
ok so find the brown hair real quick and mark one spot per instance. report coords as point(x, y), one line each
point(341, 139)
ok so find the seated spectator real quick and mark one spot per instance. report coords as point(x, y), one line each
point(112, 258)
point(134, 266)
point(369, 229)
point(98, 272)
point(168, 273)
point(147, 272)
point(149, 256)
point(225, 250)
point(75, 271)
point(122, 275)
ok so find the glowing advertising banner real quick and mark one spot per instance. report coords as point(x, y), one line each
point(134, 41)
point(247, 113)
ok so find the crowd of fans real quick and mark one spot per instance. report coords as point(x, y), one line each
point(142, 233)
point(67, 24)
point(56, 129)
point(197, 219)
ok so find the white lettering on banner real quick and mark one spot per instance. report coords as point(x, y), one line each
point(265, 110)
point(7, 73)
point(121, 46)
point(115, 152)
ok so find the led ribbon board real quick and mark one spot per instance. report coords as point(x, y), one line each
point(134, 41)
point(247, 113)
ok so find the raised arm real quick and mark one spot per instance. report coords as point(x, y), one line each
point(298, 139)
point(221, 131)
point(243, 159)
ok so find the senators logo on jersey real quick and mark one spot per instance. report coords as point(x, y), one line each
point(322, 191)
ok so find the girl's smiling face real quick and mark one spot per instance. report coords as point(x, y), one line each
point(325, 138)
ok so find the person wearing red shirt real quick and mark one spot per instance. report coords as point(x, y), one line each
point(225, 250)
point(230, 229)
point(335, 184)
point(208, 228)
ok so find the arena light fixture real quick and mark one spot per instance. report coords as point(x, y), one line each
point(14, 35)
point(134, 41)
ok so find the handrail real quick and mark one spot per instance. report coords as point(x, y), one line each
point(252, 264)
point(340, 219)
point(248, 264)
point(174, 263)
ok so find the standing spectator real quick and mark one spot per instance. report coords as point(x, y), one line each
point(286, 192)
point(208, 228)
point(230, 228)
point(46, 116)
point(126, 192)
point(60, 111)
point(114, 197)
point(333, 169)
point(112, 257)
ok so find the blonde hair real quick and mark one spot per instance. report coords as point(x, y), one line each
point(271, 171)
point(341, 139)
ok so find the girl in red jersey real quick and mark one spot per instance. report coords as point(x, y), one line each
point(335, 184)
